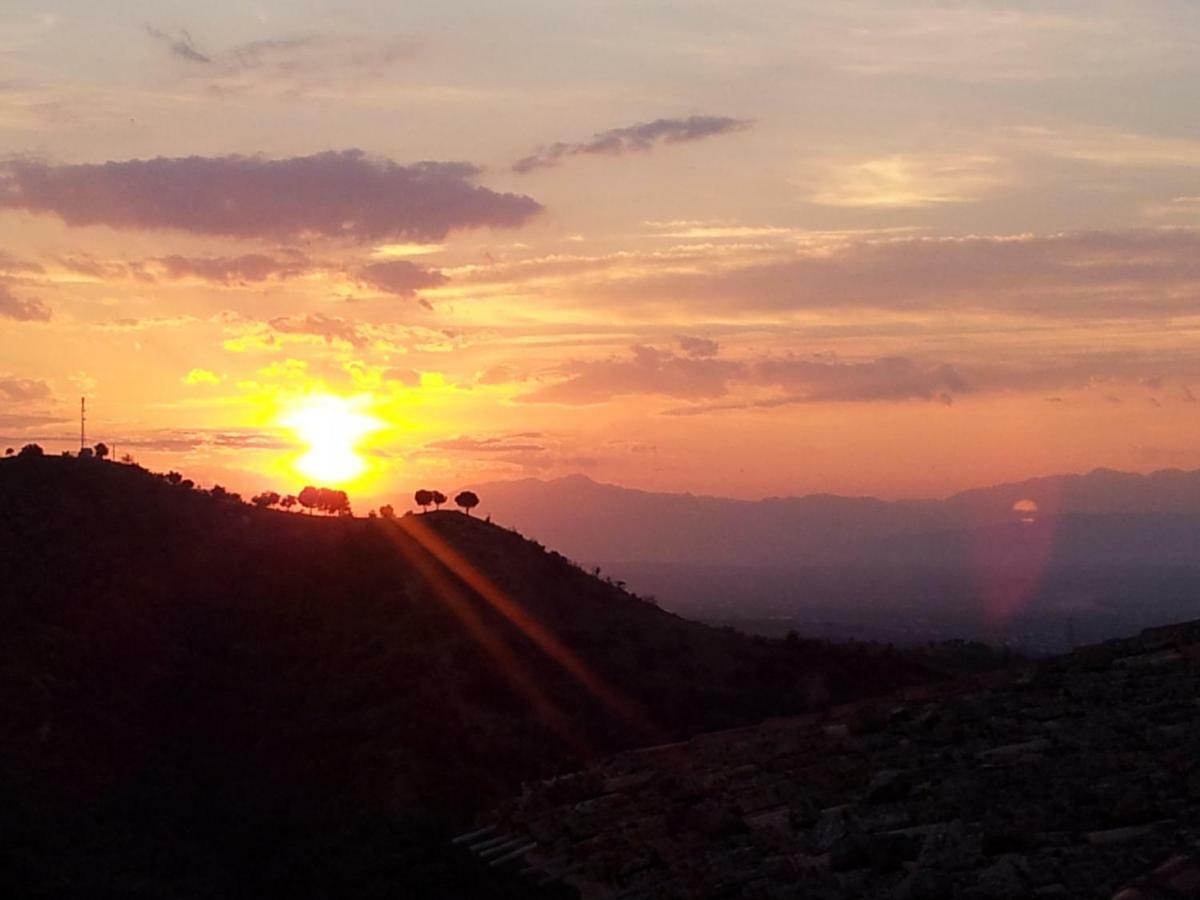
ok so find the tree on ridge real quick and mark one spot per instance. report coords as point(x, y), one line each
point(309, 498)
point(265, 499)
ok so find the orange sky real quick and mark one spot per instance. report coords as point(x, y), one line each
point(870, 247)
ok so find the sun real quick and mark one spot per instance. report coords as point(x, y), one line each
point(332, 428)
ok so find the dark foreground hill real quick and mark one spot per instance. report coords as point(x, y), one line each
point(202, 699)
point(1067, 778)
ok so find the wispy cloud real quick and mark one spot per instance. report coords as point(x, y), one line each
point(908, 181)
point(328, 328)
point(27, 309)
point(648, 370)
point(250, 267)
point(24, 390)
point(179, 45)
point(1098, 274)
point(293, 66)
point(639, 138)
point(400, 277)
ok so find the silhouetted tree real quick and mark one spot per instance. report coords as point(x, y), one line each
point(174, 478)
point(288, 502)
point(265, 499)
point(438, 499)
point(423, 498)
point(187, 484)
point(309, 498)
point(101, 450)
point(9, 451)
point(32, 450)
point(387, 512)
point(85, 453)
point(467, 500)
point(335, 503)
point(219, 492)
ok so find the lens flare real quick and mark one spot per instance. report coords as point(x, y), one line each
point(332, 428)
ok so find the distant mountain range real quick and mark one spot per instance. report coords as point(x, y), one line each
point(1048, 562)
point(1101, 516)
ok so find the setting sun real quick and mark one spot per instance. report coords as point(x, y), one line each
point(332, 428)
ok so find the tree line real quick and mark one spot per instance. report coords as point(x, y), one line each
point(424, 498)
point(325, 500)
point(336, 503)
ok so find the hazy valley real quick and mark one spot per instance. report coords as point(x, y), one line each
point(1043, 565)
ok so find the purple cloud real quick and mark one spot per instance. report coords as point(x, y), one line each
point(251, 267)
point(1132, 273)
point(695, 346)
point(337, 194)
point(400, 277)
point(640, 138)
point(650, 371)
point(22, 310)
point(23, 390)
point(331, 328)
point(647, 371)
point(886, 378)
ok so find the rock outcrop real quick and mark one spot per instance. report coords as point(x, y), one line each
point(1070, 777)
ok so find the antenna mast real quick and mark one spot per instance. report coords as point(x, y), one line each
point(82, 421)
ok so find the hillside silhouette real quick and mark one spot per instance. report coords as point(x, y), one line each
point(203, 698)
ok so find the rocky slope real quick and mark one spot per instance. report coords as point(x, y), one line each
point(1067, 778)
point(202, 699)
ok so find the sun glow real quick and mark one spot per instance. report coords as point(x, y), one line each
point(333, 429)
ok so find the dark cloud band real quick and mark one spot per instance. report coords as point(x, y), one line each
point(338, 194)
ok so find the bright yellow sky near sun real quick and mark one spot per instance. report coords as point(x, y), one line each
point(750, 249)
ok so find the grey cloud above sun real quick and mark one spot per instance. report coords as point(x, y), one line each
point(639, 138)
point(1132, 273)
point(772, 381)
point(337, 194)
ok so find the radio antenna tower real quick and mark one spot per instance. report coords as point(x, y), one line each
point(82, 422)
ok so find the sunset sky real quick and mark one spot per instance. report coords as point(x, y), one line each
point(748, 249)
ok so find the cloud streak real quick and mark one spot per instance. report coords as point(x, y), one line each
point(24, 390)
point(640, 138)
point(179, 45)
point(400, 277)
point(330, 328)
point(337, 194)
point(771, 381)
point(648, 370)
point(306, 65)
point(1130, 274)
point(19, 309)
point(225, 270)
